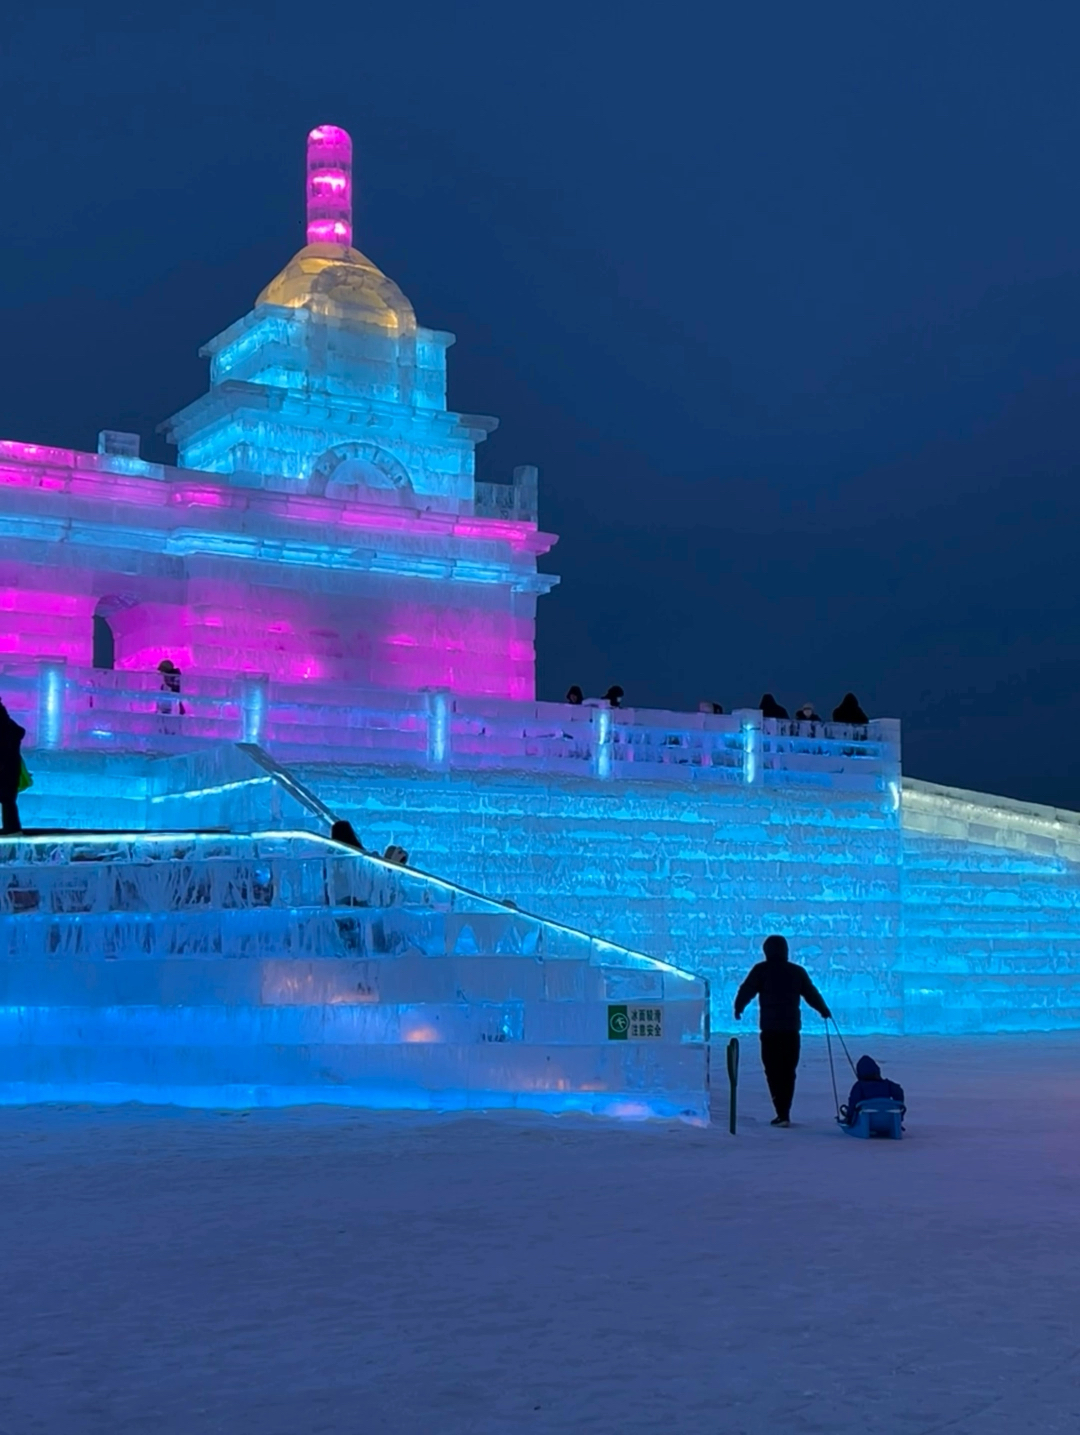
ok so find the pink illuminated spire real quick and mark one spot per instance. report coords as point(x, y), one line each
point(329, 186)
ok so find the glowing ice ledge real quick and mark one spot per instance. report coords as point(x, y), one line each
point(280, 968)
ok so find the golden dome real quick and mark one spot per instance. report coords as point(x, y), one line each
point(341, 283)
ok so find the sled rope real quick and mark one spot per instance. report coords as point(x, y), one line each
point(840, 1039)
point(832, 1071)
point(832, 1067)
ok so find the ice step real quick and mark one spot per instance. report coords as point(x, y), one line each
point(281, 967)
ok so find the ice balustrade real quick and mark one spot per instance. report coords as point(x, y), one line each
point(102, 710)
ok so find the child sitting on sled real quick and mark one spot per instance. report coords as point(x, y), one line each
point(870, 1085)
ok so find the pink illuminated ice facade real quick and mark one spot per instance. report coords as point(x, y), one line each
point(323, 524)
point(226, 580)
point(329, 186)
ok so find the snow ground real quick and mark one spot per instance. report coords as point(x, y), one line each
point(282, 1273)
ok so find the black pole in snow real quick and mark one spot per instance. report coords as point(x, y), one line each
point(733, 1080)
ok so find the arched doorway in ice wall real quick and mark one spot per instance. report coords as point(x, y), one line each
point(137, 635)
point(104, 642)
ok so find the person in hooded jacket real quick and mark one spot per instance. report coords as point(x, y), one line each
point(850, 711)
point(770, 708)
point(869, 1086)
point(780, 987)
point(11, 736)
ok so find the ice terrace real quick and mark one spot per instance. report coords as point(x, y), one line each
point(280, 968)
point(101, 711)
point(681, 835)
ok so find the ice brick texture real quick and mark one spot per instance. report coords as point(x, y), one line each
point(280, 969)
point(693, 876)
point(991, 933)
point(964, 916)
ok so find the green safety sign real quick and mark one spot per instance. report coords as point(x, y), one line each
point(635, 1023)
point(618, 1023)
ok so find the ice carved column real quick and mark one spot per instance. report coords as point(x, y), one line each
point(52, 673)
point(254, 695)
point(602, 744)
point(438, 728)
point(887, 732)
point(750, 721)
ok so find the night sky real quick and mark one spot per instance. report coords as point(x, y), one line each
point(784, 300)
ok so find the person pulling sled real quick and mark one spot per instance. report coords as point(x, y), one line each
point(780, 987)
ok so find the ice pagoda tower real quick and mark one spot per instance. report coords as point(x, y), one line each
point(323, 524)
point(329, 386)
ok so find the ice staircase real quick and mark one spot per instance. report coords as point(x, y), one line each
point(279, 967)
point(991, 913)
point(991, 938)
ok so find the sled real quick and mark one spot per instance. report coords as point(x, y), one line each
point(877, 1117)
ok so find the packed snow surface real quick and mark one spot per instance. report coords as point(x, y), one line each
point(321, 1270)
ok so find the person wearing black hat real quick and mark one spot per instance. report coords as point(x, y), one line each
point(780, 987)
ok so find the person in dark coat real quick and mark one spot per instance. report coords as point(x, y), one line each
point(780, 987)
point(849, 711)
point(870, 1086)
point(614, 696)
point(770, 708)
point(11, 736)
point(574, 696)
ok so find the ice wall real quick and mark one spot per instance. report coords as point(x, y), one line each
point(280, 968)
point(965, 917)
point(991, 931)
point(693, 876)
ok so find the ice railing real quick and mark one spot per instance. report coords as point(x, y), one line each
point(119, 710)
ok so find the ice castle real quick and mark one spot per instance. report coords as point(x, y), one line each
point(353, 619)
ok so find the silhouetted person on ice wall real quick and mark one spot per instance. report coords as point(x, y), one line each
point(614, 696)
point(11, 736)
point(345, 833)
point(849, 711)
point(574, 696)
point(779, 986)
point(770, 708)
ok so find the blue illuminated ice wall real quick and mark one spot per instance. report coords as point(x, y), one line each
point(699, 874)
point(960, 913)
point(280, 968)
